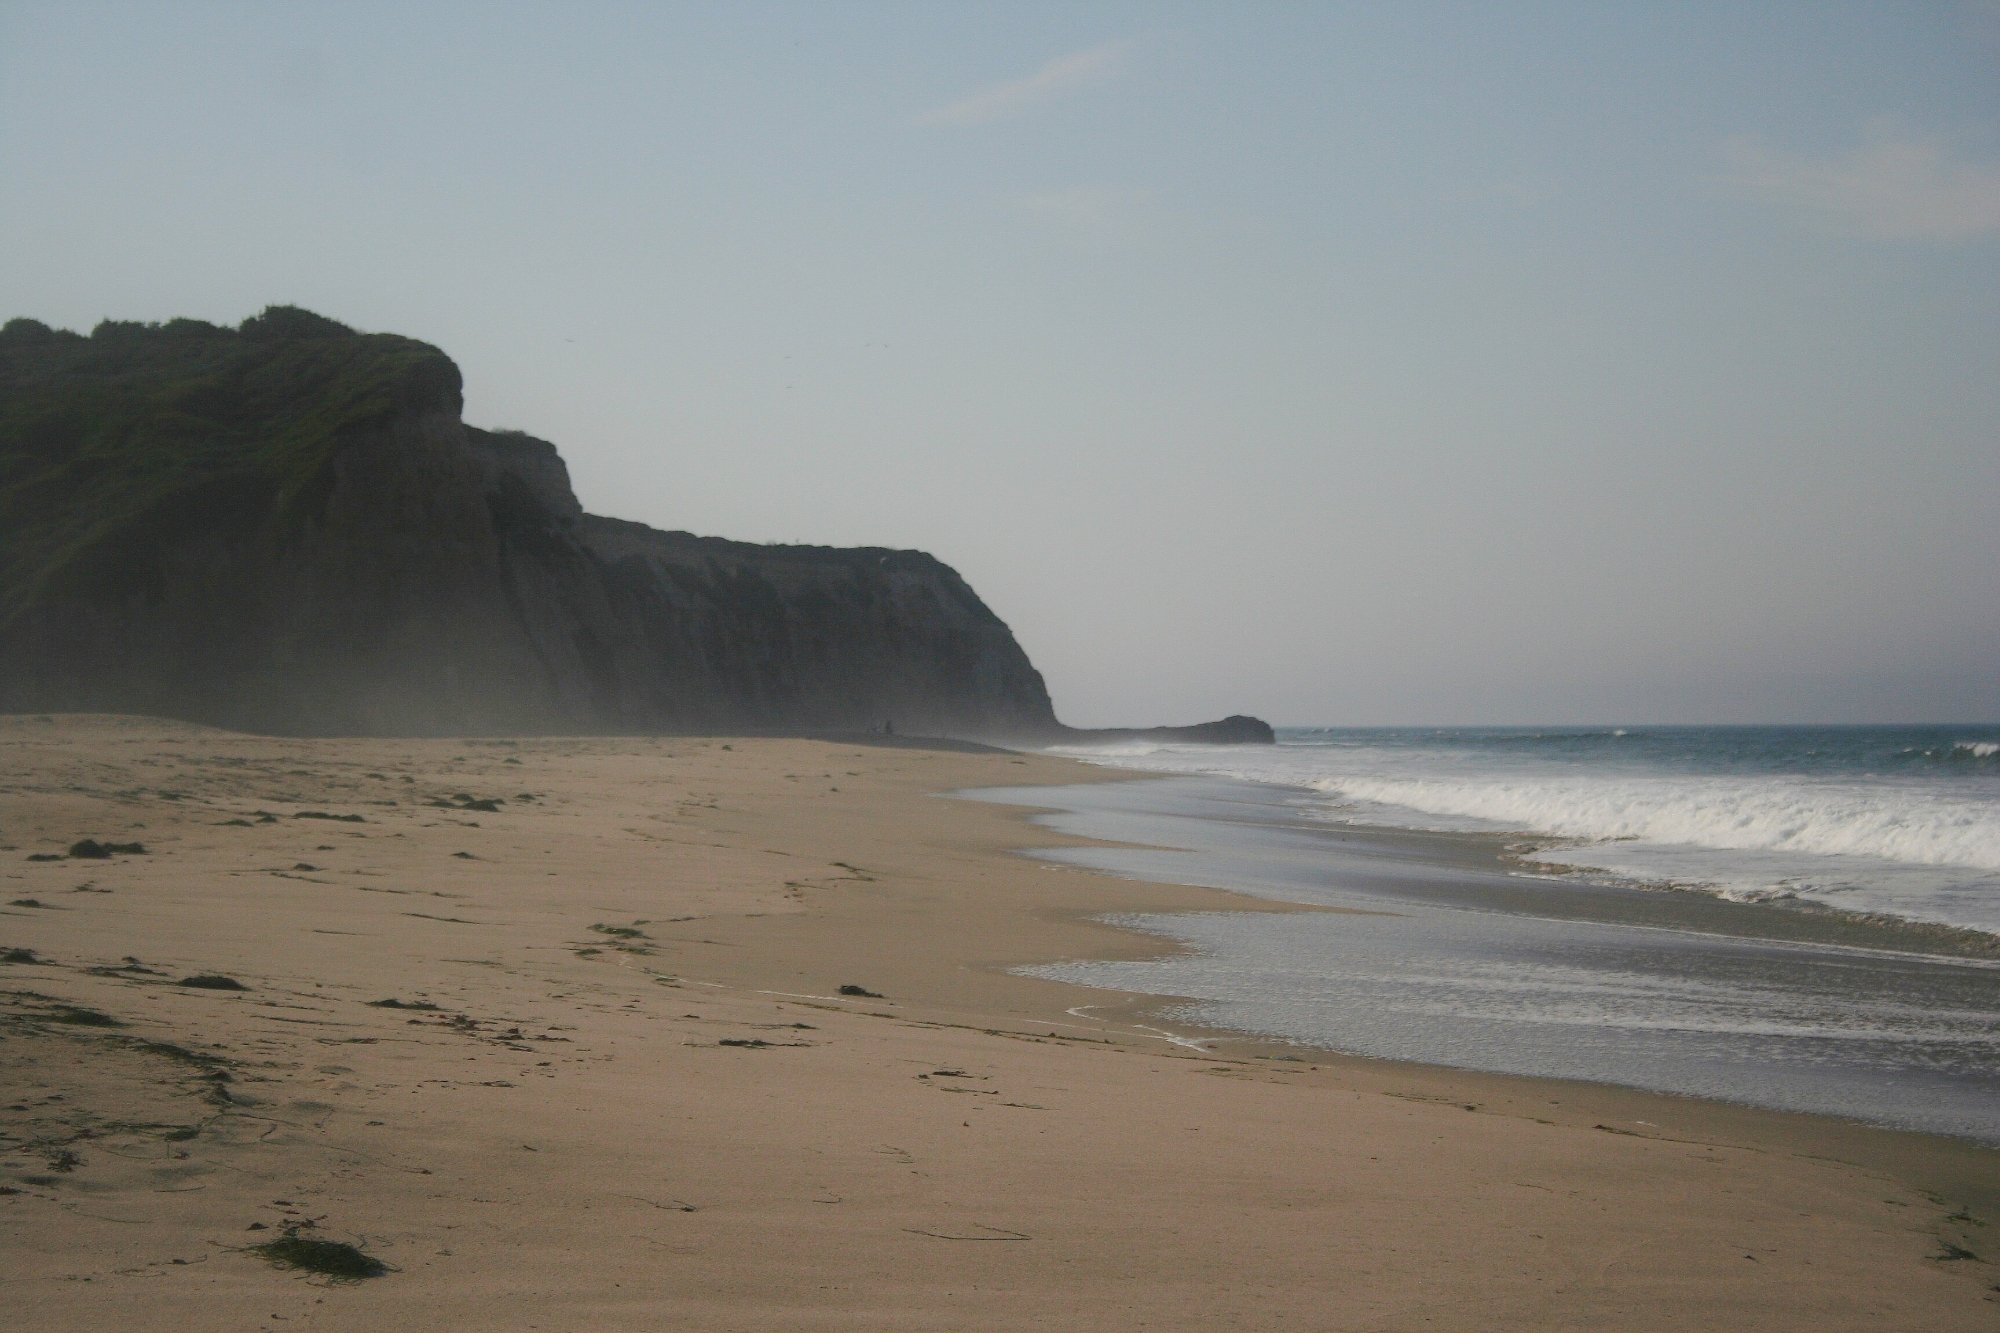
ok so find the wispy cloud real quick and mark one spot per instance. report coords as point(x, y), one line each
point(1062, 75)
point(1891, 186)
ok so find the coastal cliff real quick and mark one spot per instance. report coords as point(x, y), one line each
point(286, 527)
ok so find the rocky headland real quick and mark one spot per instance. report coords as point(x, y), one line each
point(286, 527)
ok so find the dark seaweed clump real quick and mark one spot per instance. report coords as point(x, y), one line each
point(328, 1258)
point(467, 801)
point(212, 981)
point(78, 1016)
point(90, 849)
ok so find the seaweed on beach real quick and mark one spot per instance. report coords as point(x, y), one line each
point(211, 981)
point(332, 1259)
point(75, 1015)
point(90, 849)
point(466, 801)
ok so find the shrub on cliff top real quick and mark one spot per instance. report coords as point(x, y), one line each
point(29, 331)
point(290, 321)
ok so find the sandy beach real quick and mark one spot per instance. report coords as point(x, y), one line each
point(556, 1030)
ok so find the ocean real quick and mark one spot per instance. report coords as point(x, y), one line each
point(1902, 821)
point(1637, 906)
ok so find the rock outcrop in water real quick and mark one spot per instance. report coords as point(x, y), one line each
point(287, 528)
point(1236, 729)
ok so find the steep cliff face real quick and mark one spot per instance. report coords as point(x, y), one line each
point(287, 528)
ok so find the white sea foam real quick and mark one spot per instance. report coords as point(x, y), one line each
point(1122, 750)
point(1879, 821)
point(1924, 846)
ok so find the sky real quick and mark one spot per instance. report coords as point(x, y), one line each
point(1401, 362)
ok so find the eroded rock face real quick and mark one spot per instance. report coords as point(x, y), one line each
point(424, 577)
point(287, 528)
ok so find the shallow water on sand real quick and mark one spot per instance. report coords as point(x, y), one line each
point(1450, 958)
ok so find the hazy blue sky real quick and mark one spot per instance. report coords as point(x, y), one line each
point(1344, 363)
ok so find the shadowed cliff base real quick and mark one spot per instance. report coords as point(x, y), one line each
point(286, 528)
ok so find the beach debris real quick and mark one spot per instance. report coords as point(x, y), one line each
point(129, 964)
point(90, 849)
point(981, 1232)
point(78, 1016)
point(393, 1003)
point(332, 1259)
point(743, 1041)
point(18, 956)
point(466, 801)
point(321, 814)
point(211, 981)
point(670, 1206)
point(862, 991)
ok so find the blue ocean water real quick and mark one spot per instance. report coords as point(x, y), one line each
point(1897, 820)
point(1439, 953)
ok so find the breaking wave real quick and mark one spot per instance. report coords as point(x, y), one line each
point(1883, 822)
point(1896, 820)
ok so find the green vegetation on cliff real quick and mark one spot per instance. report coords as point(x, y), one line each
point(117, 445)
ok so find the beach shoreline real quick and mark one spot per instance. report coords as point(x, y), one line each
point(642, 1093)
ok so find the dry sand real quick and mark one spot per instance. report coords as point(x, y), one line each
point(579, 1137)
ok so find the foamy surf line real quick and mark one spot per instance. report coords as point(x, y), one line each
point(1920, 845)
point(1723, 816)
point(1443, 957)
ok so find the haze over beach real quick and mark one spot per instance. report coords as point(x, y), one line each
point(1345, 364)
point(635, 644)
